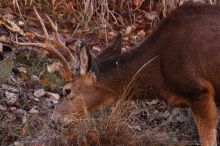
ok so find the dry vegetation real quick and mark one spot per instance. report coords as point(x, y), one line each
point(125, 123)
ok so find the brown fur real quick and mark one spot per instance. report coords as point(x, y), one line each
point(186, 73)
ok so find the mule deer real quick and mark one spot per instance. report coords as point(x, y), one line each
point(184, 68)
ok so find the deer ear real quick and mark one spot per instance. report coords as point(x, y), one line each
point(85, 60)
point(113, 49)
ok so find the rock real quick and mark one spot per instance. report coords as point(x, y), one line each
point(11, 98)
point(182, 118)
point(6, 66)
point(10, 117)
point(39, 93)
point(35, 78)
point(2, 108)
point(18, 143)
point(20, 112)
point(10, 88)
point(13, 108)
point(50, 103)
point(36, 99)
point(53, 95)
point(34, 111)
point(156, 112)
point(166, 114)
point(30, 95)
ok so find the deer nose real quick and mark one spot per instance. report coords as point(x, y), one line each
point(67, 91)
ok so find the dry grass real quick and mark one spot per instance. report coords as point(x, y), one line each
point(139, 123)
point(100, 16)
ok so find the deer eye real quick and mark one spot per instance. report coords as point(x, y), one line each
point(67, 91)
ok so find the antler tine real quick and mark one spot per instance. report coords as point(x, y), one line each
point(38, 45)
point(37, 35)
point(54, 27)
point(58, 42)
point(42, 25)
point(50, 48)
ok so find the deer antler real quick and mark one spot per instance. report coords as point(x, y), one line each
point(54, 46)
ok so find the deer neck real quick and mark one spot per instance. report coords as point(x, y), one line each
point(139, 67)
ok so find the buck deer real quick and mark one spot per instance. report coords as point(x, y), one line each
point(180, 60)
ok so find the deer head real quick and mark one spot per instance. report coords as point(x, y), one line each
point(83, 94)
